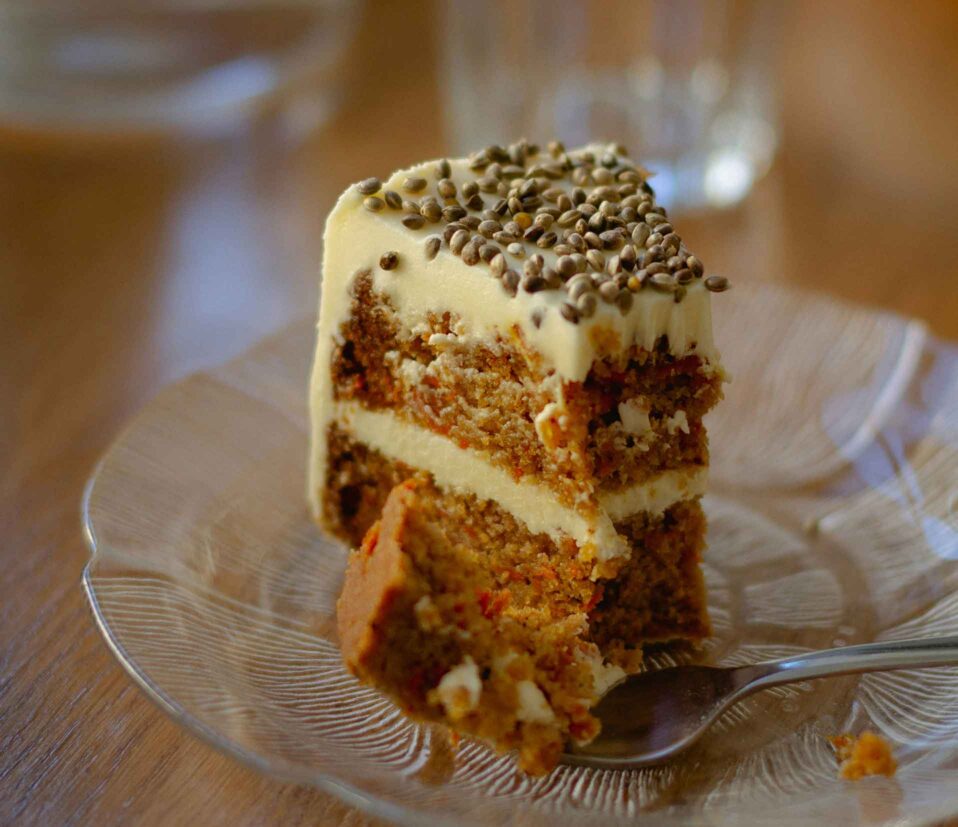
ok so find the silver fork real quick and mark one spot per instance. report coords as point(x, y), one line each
point(655, 715)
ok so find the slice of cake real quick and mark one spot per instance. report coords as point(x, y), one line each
point(522, 343)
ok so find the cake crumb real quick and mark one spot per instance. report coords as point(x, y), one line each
point(868, 754)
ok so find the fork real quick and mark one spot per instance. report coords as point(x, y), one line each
point(653, 716)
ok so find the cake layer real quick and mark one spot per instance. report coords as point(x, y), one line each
point(656, 594)
point(632, 418)
point(467, 471)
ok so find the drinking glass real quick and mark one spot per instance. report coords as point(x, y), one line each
point(686, 85)
point(103, 63)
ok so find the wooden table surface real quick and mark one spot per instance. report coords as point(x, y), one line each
point(126, 262)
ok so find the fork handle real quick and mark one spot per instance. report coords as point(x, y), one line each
point(850, 660)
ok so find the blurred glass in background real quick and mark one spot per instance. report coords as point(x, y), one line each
point(195, 64)
point(686, 85)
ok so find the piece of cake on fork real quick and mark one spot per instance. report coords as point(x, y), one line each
point(513, 359)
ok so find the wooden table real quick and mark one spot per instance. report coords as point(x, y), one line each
point(127, 262)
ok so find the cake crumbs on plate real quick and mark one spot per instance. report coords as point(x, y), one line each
point(867, 754)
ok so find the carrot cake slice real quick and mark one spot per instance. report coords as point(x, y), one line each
point(518, 346)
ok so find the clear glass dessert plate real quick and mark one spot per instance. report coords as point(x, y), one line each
point(833, 520)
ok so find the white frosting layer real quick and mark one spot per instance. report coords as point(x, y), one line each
point(466, 471)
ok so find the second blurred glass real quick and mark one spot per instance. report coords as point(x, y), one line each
point(183, 63)
point(685, 84)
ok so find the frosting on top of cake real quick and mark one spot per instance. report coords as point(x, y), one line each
point(569, 249)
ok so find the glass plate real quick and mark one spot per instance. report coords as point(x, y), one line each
point(833, 520)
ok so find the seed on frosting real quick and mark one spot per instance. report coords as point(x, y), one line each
point(533, 233)
point(510, 281)
point(717, 284)
point(393, 199)
point(609, 291)
point(655, 253)
point(635, 282)
point(446, 188)
point(596, 259)
point(624, 300)
point(654, 267)
point(546, 240)
point(373, 203)
point(487, 228)
point(641, 234)
point(470, 254)
point(684, 276)
point(458, 241)
point(443, 169)
point(516, 249)
point(586, 305)
point(413, 222)
point(475, 202)
point(469, 189)
point(569, 312)
point(501, 207)
point(431, 211)
point(596, 222)
point(676, 262)
point(653, 219)
point(453, 212)
point(563, 249)
point(555, 148)
point(470, 221)
point(592, 240)
point(432, 246)
point(663, 282)
point(533, 283)
point(531, 267)
point(552, 278)
point(544, 220)
point(488, 184)
point(411, 206)
point(370, 186)
point(565, 266)
point(696, 266)
point(487, 252)
point(498, 264)
point(389, 260)
point(414, 184)
point(611, 239)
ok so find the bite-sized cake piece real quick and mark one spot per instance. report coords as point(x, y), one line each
point(425, 615)
point(524, 332)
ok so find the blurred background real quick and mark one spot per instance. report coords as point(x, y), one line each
point(166, 167)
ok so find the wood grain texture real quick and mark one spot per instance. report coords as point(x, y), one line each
point(128, 262)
